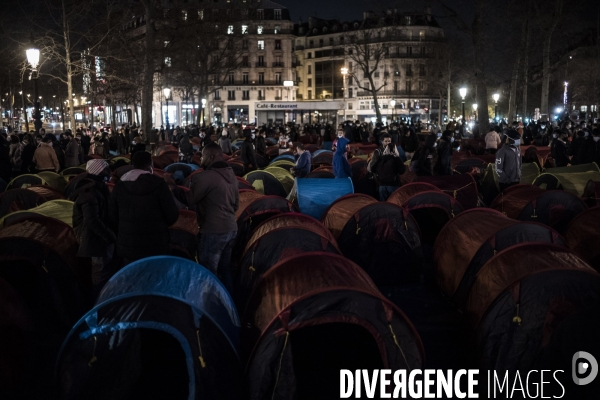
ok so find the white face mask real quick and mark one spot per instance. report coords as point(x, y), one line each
point(253, 136)
point(451, 140)
point(596, 138)
point(554, 135)
point(439, 134)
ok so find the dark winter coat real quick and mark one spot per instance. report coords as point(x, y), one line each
point(410, 143)
point(247, 153)
point(303, 164)
point(592, 153)
point(443, 166)
point(141, 211)
point(508, 164)
point(387, 169)
point(577, 150)
point(216, 198)
point(27, 158)
point(90, 217)
point(72, 154)
point(559, 150)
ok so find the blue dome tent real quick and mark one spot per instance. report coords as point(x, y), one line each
point(163, 327)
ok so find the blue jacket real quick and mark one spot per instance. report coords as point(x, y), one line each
point(302, 167)
point(341, 167)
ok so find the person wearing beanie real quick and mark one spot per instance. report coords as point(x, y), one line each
point(443, 166)
point(45, 156)
point(90, 222)
point(141, 208)
point(559, 149)
point(508, 161)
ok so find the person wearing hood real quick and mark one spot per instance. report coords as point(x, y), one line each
point(422, 161)
point(141, 208)
point(15, 152)
point(443, 166)
point(508, 161)
point(559, 149)
point(186, 148)
point(592, 151)
point(409, 142)
point(341, 167)
point(45, 156)
point(225, 143)
point(27, 154)
point(90, 215)
point(216, 199)
point(138, 146)
point(248, 153)
point(73, 151)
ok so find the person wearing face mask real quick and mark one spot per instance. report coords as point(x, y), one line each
point(577, 147)
point(225, 143)
point(216, 199)
point(592, 148)
point(340, 134)
point(341, 167)
point(492, 141)
point(141, 209)
point(508, 161)
point(386, 167)
point(559, 149)
point(443, 166)
point(303, 163)
point(90, 218)
point(248, 153)
point(423, 159)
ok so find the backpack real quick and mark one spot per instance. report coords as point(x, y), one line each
point(386, 169)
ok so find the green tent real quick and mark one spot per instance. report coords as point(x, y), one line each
point(572, 182)
point(54, 180)
point(283, 176)
point(58, 209)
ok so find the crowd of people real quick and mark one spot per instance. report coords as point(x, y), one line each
point(131, 222)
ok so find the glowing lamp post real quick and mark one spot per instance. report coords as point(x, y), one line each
point(167, 92)
point(496, 97)
point(463, 94)
point(393, 105)
point(33, 58)
point(344, 71)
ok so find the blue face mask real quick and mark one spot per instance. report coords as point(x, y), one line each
point(586, 134)
point(518, 142)
point(439, 134)
point(451, 140)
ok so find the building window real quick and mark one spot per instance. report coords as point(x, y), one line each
point(408, 69)
point(261, 45)
point(260, 14)
point(423, 50)
point(309, 55)
point(341, 39)
point(245, 95)
point(277, 29)
point(245, 78)
point(410, 35)
point(309, 82)
point(376, 74)
point(277, 44)
point(421, 85)
point(231, 95)
point(310, 95)
point(349, 106)
point(184, 15)
point(200, 14)
point(422, 70)
point(261, 78)
point(309, 69)
point(259, 29)
point(245, 44)
point(230, 30)
point(244, 29)
point(245, 61)
point(278, 78)
point(168, 61)
point(422, 36)
point(310, 45)
point(331, 41)
point(231, 79)
point(278, 62)
point(409, 50)
point(261, 61)
point(261, 95)
point(320, 42)
point(350, 94)
point(217, 95)
point(278, 94)
point(408, 86)
point(277, 14)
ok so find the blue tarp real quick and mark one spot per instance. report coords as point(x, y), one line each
point(316, 194)
point(284, 157)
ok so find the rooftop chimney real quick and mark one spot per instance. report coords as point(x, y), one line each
point(367, 14)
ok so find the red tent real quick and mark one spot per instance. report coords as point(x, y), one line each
point(341, 210)
point(583, 236)
point(405, 192)
point(462, 187)
point(511, 201)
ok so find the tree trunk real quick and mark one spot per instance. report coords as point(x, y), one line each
point(545, 76)
point(525, 66)
point(441, 109)
point(514, 81)
point(148, 77)
point(482, 94)
point(69, 67)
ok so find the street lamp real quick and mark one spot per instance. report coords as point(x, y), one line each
point(83, 99)
point(167, 92)
point(463, 94)
point(496, 97)
point(203, 111)
point(33, 58)
point(393, 104)
point(344, 71)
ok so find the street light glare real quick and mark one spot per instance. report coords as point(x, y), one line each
point(33, 57)
point(496, 97)
point(463, 92)
point(475, 107)
point(344, 70)
point(167, 92)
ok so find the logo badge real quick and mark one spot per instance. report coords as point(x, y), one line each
point(584, 363)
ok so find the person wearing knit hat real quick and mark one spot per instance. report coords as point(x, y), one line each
point(508, 161)
point(90, 222)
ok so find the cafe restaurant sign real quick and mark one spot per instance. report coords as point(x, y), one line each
point(300, 105)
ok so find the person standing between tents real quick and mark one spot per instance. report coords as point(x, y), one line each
point(341, 167)
point(73, 151)
point(90, 214)
point(492, 140)
point(27, 154)
point(261, 144)
point(216, 199)
point(443, 166)
point(45, 156)
point(225, 143)
point(142, 208)
point(577, 148)
point(508, 161)
point(422, 161)
point(303, 164)
point(592, 152)
point(248, 153)
point(387, 167)
point(15, 151)
point(559, 149)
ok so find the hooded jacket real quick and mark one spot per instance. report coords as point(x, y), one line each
point(508, 164)
point(216, 198)
point(90, 216)
point(341, 167)
point(303, 164)
point(225, 144)
point(443, 166)
point(72, 153)
point(248, 153)
point(141, 208)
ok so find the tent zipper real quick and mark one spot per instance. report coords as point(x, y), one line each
point(200, 358)
point(400, 348)
point(94, 358)
point(287, 335)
